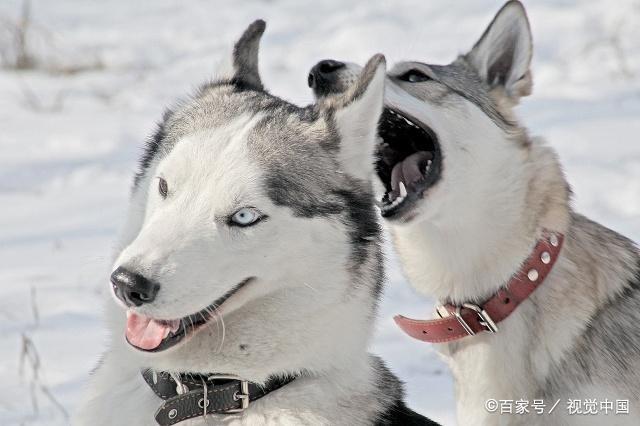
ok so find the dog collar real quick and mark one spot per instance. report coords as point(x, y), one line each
point(188, 395)
point(469, 319)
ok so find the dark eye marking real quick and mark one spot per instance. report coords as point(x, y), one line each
point(163, 187)
point(414, 76)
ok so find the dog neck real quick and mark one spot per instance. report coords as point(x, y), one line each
point(470, 260)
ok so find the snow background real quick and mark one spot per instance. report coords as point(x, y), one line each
point(72, 129)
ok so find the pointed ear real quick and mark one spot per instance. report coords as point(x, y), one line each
point(242, 65)
point(356, 113)
point(502, 56)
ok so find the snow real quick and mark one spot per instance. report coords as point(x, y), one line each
point(69, 143)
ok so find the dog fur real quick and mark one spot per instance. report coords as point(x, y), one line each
point(313, 262)
point(578, 335)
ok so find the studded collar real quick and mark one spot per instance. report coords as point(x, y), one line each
point(189, 395)
point(456, 322)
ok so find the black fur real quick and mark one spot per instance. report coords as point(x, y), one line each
point(353, 208)
point(361, 221)
point(257, 100)
point(462, 79)
point(395, 412)
point(152, 147)
point(400, 415)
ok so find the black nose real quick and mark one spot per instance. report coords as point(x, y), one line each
point(133, 289)
point(323, 74)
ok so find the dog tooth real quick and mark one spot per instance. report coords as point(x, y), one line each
point(403, 190)
point(410, 123)
point(426, 169)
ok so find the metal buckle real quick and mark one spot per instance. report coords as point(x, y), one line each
point(243, 396)
point(485, 320)
point(442, 311)
point(462, 322)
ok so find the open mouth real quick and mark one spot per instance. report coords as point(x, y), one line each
point(155, 335)
point(408, 162)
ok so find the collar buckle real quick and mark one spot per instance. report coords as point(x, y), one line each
point(452, 325)
point(242, 395)
point(485, 319)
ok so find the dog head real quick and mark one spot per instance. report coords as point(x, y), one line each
point(252, 227)
point(449, 148)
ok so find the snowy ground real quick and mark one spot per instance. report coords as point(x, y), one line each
point(69, 142)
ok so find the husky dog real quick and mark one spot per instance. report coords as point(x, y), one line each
point(468, 194)
point(250, 264)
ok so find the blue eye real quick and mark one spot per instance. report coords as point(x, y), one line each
point(246, 216)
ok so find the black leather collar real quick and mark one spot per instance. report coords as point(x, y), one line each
point(187, 397)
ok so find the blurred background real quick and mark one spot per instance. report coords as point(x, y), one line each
point(82, 84)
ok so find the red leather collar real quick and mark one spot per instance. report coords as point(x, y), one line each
point(470, 319)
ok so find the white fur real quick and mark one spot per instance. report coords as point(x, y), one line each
point(480, 172)
point(473, 229)
point(357, 124)
point(285, 320)
point(184, 243)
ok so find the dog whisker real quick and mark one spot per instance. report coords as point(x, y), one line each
point(310, 286)
point(219, 317)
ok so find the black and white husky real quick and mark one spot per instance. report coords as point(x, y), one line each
point(478, 209)
point(247, 280)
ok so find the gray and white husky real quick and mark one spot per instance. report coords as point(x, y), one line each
point(467, 192)
point(252, 250)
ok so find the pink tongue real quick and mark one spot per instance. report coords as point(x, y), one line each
point(408, 171)
point(144, 332)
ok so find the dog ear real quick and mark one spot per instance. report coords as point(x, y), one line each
point(502, 56)
point(356, 113)
point(241, 67)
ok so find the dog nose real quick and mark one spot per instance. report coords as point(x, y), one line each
point(323, 72)
point(132, 288)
